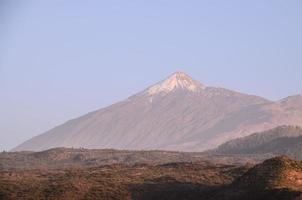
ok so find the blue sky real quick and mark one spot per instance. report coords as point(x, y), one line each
point(60, 59)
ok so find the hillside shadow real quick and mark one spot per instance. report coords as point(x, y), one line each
point(167, 188)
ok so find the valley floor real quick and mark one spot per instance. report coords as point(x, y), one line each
point(168, 181)
point(276, 178)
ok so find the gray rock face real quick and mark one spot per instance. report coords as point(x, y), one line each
point(178, 113)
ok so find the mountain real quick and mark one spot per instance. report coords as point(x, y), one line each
point(283, 140)
point(177, 113)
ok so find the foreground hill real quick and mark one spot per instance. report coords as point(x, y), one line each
point(278, 178)
point(279, 172)
point(283, 140)
point(177, 114)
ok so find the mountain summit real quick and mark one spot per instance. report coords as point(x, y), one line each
point(178, 80)
point(177, 113)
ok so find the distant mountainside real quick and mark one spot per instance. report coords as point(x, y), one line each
point(283, 140)
point(178, 113)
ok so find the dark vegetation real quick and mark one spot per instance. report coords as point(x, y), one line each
point(141, 181)
point(276, 178)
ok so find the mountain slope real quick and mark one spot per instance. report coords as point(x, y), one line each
point(283, 140)
point(178, 113)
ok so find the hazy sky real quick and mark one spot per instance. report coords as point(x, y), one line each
point(61, 59)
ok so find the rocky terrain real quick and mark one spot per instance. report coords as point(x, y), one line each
point(178, 114)
point(60, 158)
point(277, 178)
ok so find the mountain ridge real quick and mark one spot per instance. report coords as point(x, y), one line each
point(283, 140)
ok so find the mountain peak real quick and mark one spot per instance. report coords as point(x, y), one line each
point(178, 80)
